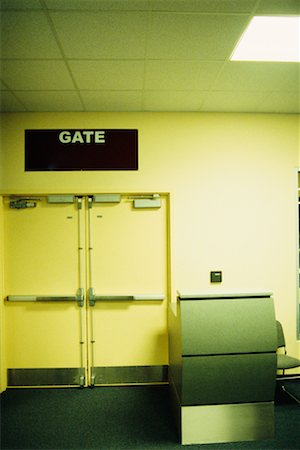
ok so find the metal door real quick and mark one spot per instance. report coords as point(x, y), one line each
point(45, 316)
point(86, 287)
point(127, 289)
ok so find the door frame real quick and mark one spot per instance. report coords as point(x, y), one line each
point(155, 374)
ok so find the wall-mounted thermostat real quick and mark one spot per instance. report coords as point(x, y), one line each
point(216, 276)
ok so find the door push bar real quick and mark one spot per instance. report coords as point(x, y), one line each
point(98, 298)
point(79, 298)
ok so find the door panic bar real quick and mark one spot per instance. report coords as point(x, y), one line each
point(104, 298)
point(40, 298)
point(79, 298)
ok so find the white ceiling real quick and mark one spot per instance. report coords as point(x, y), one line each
point(139, 55)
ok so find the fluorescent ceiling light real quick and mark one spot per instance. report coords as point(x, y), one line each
point(270, 38)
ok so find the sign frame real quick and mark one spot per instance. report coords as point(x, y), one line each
point(81, 149)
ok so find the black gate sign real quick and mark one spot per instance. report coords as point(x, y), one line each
point(78, 149)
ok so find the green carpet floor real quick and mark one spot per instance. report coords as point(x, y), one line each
point(115, 418)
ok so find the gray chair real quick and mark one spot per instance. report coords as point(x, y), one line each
point(284, 361)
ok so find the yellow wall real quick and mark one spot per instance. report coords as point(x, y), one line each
point(2, 359)
point(1, 153)
point(2, 356)
point(232, 182)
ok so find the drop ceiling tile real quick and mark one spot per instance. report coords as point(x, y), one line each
point(194, 36)
point(215, 6)
point(180, 75)
point(112, 100)
point(173, 100)
point(281, 102)
point(108, 75)
point(232, 101)
point(258, 76)
point(3, 86)
point(50, 100)
point(27, 35)
point(9, 103)
point(278, 7)
point(20, 4)
point(36, 75)
point(105, 34)
point(109, 5)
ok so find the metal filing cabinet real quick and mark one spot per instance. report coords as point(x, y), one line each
point(223, 366)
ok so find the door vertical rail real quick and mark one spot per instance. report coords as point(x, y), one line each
point(80, 292)
point(90, 291)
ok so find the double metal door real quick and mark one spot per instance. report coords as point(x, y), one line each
point(85, 286)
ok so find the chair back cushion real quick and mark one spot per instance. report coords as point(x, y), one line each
point(280, 335)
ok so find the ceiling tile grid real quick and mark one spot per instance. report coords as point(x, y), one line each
point(173, 100)
point(180, 75)
point(194, 36)
point(101, 34)
point(108, 74)
point(229, 101)
point(27, 34)
point(115, 100)
point(138, 55)
point(56, 100)
point(20, 4)
point(258, 76)
point(48, 75)
point(9, 102)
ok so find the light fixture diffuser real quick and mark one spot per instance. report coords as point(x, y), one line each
point(270, 38)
